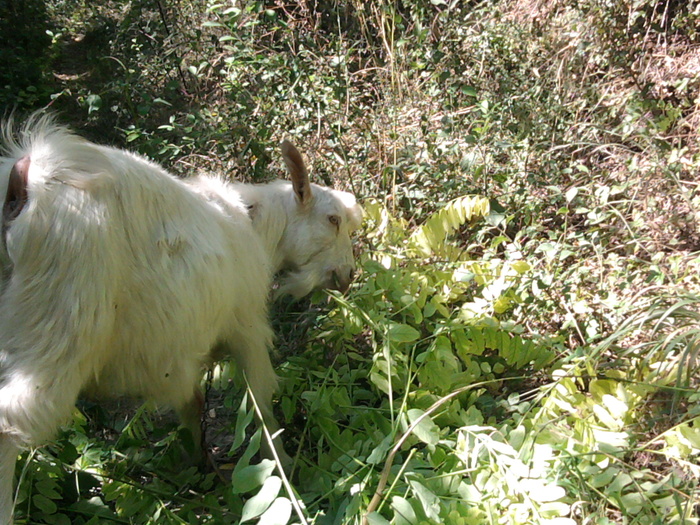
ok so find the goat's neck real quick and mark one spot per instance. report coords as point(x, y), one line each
point(269, 207)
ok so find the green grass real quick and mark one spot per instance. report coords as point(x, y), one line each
point(522, 343)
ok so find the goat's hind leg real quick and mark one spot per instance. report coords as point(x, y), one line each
point(34, 401)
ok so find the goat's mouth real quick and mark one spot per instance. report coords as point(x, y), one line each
point(336, 282)
point(294, 282)
point(300, 281)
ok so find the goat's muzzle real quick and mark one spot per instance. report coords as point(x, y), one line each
point(341, 278)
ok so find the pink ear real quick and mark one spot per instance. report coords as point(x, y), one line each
point(297, 172)
point(16, 196)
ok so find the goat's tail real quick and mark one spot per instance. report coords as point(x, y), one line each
point(41, 127)
point(51, 150)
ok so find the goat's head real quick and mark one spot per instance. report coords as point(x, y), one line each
point(317, 246)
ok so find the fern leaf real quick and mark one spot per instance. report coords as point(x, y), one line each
point(431, 238)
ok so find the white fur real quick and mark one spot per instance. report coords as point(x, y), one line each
point(121, 279)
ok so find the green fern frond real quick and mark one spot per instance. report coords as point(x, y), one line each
point(431, 239)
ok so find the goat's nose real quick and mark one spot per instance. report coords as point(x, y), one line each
point(342, 277)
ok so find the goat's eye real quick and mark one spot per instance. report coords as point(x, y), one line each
point(334, 220)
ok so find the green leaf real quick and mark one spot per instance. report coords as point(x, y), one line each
point(47, 488)
point(497, 214)
point(380, 380)
point(620, 481)
point(60, 519)
point(259, 503)
point(691, 434)
point(603, 478)
point(427, 431)
point(542, 493)
point(402, 333)
point(252, 476)
point(244, 417)
point(520, 267)
point(606, 418)
point(44, 504)
point(633, 502)
point(93, 507)
point(278, 514)
point(506, 349)
point(430, 502)
point(374, 518)
point(94, 103)
point(381, 450)
point(616, 407)
point(571, 194)
point(404, 513)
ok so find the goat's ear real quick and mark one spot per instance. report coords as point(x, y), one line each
point(297, 172)
point(16, 196)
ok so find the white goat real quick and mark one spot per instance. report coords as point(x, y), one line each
point(122, 279)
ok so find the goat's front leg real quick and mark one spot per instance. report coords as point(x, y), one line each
point(272, 444)
point(262, 386)
point(8, 457)
point(190, 414)
point(251, 354)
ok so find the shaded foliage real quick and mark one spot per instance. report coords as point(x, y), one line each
point(24, 54)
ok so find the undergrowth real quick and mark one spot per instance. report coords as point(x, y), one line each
point(522, 343)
